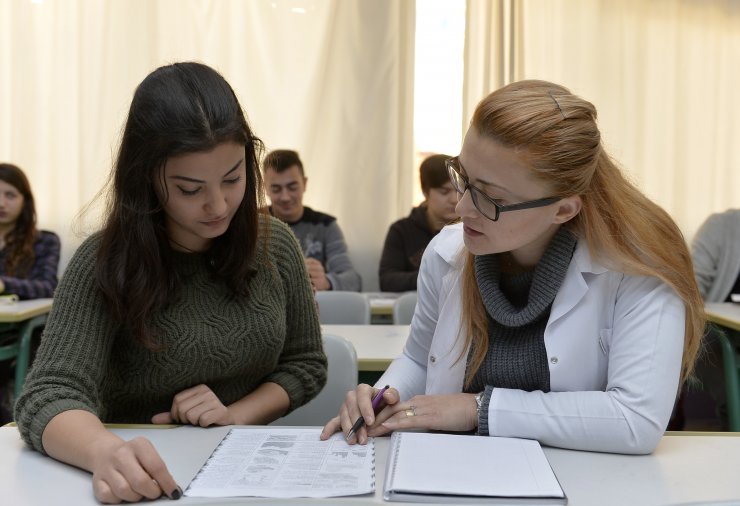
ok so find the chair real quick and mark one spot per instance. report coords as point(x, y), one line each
point(343, 308)
point(403, 309)
point(728, 338)
point(21, 348)
point(342, 377)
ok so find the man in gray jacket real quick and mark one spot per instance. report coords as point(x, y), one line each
point(319, 234)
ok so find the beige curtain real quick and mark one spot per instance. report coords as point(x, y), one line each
point(663, 74)
point(332, 79)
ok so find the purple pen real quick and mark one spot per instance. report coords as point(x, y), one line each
point(361, 421)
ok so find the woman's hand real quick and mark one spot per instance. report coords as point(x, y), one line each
point(196, 406)
point(131, 471)
point(358, 402)
point(454, 412)
point(122, 470)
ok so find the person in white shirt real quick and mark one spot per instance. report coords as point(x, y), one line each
point(563, 308)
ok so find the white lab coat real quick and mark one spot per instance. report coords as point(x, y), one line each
point(614, 344)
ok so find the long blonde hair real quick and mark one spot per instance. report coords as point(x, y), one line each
point(557, 133)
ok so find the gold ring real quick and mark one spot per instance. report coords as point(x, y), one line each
point(411, 411)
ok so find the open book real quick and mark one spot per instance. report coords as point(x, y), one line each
point(428, 467)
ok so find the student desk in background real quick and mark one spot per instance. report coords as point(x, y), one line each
point(685, 468)
point(23, 317)
point(727, 316)
point(381, 306)
point(376, 346)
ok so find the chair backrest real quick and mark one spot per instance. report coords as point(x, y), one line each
point(343, 308)
point(403, 309)
point(342, 377)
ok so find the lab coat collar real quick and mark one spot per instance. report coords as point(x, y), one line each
point(575, 284)
point(450, 246)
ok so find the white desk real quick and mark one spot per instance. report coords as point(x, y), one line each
point(376, 345)
point(24, 310)
point(684, 469)
point(726, 314)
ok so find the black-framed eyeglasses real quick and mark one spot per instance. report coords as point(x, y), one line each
point(486, 205)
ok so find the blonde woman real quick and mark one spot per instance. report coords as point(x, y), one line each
point(563, 308)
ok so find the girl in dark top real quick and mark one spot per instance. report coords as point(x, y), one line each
point(190, 305)
point(29, 258)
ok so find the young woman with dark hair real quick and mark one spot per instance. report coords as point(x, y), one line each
point(29, 258)
point(189, 306)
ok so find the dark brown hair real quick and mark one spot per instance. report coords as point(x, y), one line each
point(281, 160)
point(19, 252)
point(177, 109)
point(433, 172)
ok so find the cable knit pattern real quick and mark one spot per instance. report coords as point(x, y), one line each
point(232, 344)
point(516, 357)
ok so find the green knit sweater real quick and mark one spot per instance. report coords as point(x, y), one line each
point(231, 344)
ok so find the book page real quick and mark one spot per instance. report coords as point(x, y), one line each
point(425, 463)
point(285, 463)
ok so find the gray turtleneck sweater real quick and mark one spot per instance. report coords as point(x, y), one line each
point(518, 308)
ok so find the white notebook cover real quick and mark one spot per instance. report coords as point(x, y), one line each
point(429, 467)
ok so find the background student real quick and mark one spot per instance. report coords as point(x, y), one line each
point(29, 260)
point(408, 237)
point(321, 238)
point(189, 306)
point(715, 251)
point(561, 309)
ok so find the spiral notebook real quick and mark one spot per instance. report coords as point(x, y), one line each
point(429, 467)
point(285, 463)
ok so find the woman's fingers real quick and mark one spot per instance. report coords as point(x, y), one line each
point(359, 403)
point(198, 406)
point(133, 471)
point(330, 428)
point(155, 468)
point(455, 412)
point(162, 418)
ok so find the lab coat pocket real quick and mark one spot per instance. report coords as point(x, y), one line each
point(605, 339)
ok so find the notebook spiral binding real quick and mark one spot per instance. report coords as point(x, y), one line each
point(393, 458)
point(208, 461)
point(372, 476)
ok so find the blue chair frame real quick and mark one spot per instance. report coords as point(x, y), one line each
point(727, 338)
point(21, 348)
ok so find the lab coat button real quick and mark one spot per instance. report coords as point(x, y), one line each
point(553, 360)
point(432, 359)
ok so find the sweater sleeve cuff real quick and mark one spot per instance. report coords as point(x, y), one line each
point(44, 415)
point(294, 388)
point(483, 427)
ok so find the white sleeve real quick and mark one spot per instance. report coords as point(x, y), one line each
point(644, 363)
point(408, 372)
